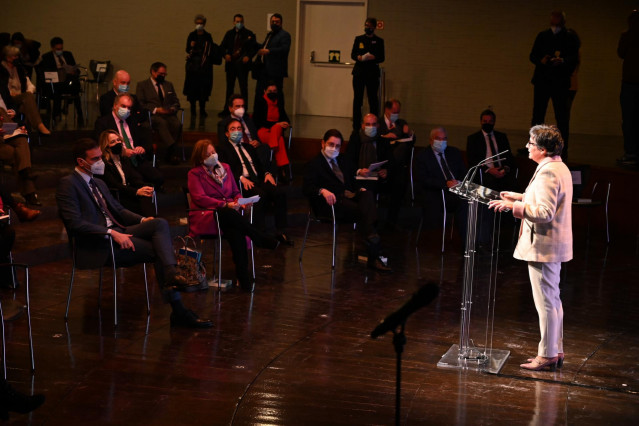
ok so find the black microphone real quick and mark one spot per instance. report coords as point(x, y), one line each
point(421, 298)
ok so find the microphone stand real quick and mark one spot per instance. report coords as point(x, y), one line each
point(399, 340)
point(476, 167)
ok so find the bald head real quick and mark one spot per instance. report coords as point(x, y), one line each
point(121, 81)
point(438, 133)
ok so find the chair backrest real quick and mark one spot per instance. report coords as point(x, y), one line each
point(580, 178)
point(101, 70)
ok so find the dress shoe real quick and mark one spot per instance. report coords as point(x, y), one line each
point(189, 319)
point(541, 363)
point(25, 214)
point(12, 400)
point(32, 199)
point(560, 359)
point(379, 266)
point(284, 239)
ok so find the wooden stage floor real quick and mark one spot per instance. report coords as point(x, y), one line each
point(298, 351)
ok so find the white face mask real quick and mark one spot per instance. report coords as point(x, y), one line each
point(123, 113)
point(239, 112)
point(331, 152)
point(211, 160)
point(370, 131)
point(199, 27)
point(439, 146)
point(97, 168)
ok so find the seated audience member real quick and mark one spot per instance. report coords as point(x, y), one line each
point(497, 174)
point(237, 110)
point(329, 180)
point(122, 84)
point(13, 401)
point(24, 213)
point(62, 61)
point(158, 95)
point(87, 207)
point(438, 168)
point(133, 135)
point(29, 51)
point(15, 150)
point(244, 162)
point(21, 90)
point(271, 121)
point(366, 147)
point(212, 186)
point(121, 176)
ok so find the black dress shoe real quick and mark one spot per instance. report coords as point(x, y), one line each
point(189, 319)
point(284, 239)
point(12, 400)
point(32, 199)
point(379, 266)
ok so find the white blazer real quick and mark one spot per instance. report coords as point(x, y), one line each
point(546, 213)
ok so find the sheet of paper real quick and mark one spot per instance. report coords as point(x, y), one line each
point(251, 200)
point(376, 166)
point(51, 76)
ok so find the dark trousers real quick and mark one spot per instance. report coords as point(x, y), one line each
point(69, 87)
point(371, 84)
point(149, 173)
point(559, 95)
point(270, 195)
point(361, 209)
point(239, 72)
point(629, 99)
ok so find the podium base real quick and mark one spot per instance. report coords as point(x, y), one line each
point(492, 362)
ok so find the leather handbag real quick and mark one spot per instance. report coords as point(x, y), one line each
point(190, 265)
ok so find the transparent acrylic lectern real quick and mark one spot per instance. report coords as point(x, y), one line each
point(466, 354)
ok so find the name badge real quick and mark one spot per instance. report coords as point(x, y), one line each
point(361, 45)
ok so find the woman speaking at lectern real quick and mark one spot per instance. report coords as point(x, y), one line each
point(545, 237)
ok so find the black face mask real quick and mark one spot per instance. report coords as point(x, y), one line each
point(275, 28)
point(116, 149)
point(487, 127)
point(272, 96)
point(159, 79)
point(369, 31)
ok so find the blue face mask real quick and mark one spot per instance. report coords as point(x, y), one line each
point(439, 146)
point(235, 136)
point(370, 131)
point(239, 26)
point(123, 88)
point(58, 52)
point(123, 113)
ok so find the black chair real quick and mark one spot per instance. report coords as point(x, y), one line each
point(111, 262)
point(101, 71)
point(421, 224)
point(599, 195)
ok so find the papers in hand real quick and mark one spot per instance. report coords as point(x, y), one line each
point(251, 200)
point(367, 56)
point(374, 167)
point(11, 131)
point(408, 139)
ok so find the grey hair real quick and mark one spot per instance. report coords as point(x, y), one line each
point(547, 137)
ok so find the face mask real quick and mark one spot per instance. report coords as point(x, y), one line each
point(116, 149)
point(369, 31)
point(239, 112)
point(487, 127)
point(123, 88)
point(555, 29)
point(199, 27)
point(370, 131)
point(159, 78)
point(235, 136)
point(123, 113)
point(239, 26)
point(58, 52)
point(272, 96)
point(211, 160)
point(275, 28)
point(393, 117)
point(331, 152)
point(97, 168)
point(439, 146)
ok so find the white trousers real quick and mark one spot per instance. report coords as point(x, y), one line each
point(544, 279)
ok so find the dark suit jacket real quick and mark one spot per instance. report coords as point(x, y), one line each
point(248, 47)
point(276, 62)
point(476, 152)
point(113, 179)
point(106, 106)
point(149, 99)
point(229, 155)
point(49, 62)
point(354, 147)
point(319, 174)
point(373, 45)
point(430, 175)
point(261, 110)
point(547, 43)
point(221, 128)
point(138, 133)
point(82, 216)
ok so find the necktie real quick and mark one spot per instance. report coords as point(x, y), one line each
point(493, 147)
point(447, 173)
point(247, 163)
point(103, 206)
point(60, 61)
point(160, 94)
point(337, 170)
point(127, 142)
point(245, 137)
point(264, 46)
point(237, 45)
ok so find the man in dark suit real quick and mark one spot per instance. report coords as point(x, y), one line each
point(239, 46)
point(87, 207)
point(366, 147)
point(253, 179)
point(157, 95)
point(122, 84)
point(134, 136)
point(368, 53)
point(329, 180)
point(237, 111)
point(440, 167)
point(62, 61)
point(272, 61)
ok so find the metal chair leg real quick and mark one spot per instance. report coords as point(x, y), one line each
point(66, 314)
point(28, 304)
point(115, 287)
point(4, 351)
point(444, 224)
point(146, 289)
point(334, 237)
point(219, 260)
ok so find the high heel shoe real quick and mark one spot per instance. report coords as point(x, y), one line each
point(540, 363)
point(560, 359)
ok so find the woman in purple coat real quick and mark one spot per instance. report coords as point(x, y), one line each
point(212, 186)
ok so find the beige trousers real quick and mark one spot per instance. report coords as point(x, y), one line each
point(544, 279)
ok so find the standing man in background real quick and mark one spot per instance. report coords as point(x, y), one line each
point(272, 61)
point(368, 53)
point(628, 50)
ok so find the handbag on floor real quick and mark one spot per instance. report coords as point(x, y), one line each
point(190, 265)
